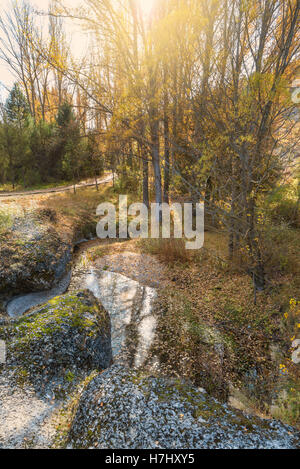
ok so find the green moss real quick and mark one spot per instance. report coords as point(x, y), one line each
point(68, 412)
point(77, 312)
point(22, 376)
point(69, 376)
point(50, 318)
point(204, 407)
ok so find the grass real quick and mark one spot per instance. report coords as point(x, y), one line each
point(287, 407)
point(86, 199)
point(208, 288)
point(8, 212)
point(40, 186)
point(21, 187)
point(5, 221)
point(77, 212)
point(168, 250)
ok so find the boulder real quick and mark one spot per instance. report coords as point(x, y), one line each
point(33, 256)
point(70, 332)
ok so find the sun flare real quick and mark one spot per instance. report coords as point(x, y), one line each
point(146, 6)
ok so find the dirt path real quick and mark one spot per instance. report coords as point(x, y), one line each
point(26, 420)
point(88, 183)
point(123, 258)
point(143, 268)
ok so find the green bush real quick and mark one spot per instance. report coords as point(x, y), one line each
point(128, 180)
point(283, 206)
point(287, 211)
point(31, 178)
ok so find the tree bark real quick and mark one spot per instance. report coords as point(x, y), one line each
point(156, 166)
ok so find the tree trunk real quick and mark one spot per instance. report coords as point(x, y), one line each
point(145, 176)
point(156, 167)
point(167, 159)
point(166, 141)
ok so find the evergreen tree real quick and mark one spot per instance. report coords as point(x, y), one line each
point(65, 116)
point(69, 142)
point(16, 106)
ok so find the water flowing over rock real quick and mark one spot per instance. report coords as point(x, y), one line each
point(129, 305)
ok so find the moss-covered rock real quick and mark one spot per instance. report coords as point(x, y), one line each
point(69, 333)
point(124, 409)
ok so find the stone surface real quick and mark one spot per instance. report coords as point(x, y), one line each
point(33, 256)
point(70, 332)
point(49, 352)
point(130, 306)
point(124, 409)
point(26, 419)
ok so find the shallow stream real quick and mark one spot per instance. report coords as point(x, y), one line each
point(129, 304)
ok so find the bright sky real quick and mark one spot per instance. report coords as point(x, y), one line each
point(147, 5)
point(6, 77)
point(78, 40)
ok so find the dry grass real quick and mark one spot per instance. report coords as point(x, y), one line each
point(174, 250)
point(204, 286)
point(168, 250)
point(77, 212)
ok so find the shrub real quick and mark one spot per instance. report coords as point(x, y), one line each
point(283, 205)
point(280, 247)
point(31, 178)
point(287, 211)
point(128, 180)
point(168, 250)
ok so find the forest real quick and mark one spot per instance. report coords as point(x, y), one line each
point(196, 99)
point(181, 101)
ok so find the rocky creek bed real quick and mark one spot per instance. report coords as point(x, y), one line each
point(56, 355)
point(56, 359)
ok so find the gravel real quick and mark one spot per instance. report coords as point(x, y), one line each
point(26, 419)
